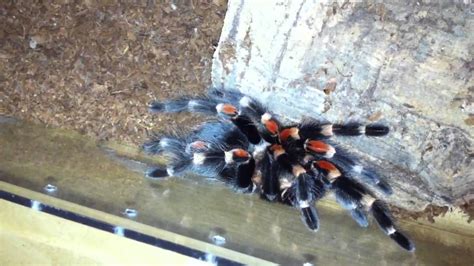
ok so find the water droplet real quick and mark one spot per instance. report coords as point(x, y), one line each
point(119, 231)
point(36, 205)
point(209, 258)
point(130, 212)
point(50, 188)
point(218, 240)
point(33, 43)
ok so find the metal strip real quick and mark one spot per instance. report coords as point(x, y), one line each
point(131, 234)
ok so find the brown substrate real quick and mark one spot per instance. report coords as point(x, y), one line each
point(468, 208)
point(93, 67)
point(429, 213)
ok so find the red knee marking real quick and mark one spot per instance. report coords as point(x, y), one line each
point(331, 169)
point(277, 150)
point(298, 170)
point(229, 109)
point(318, 146)
point(241, 153)
point(199, 144)
point(272, 127)
point(326, 165)
point(289, 132)
point(285, 134)
point(270, 124)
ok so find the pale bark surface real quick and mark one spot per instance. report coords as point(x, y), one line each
point(406, 64)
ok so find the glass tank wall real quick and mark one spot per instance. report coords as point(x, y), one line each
point(109, 177)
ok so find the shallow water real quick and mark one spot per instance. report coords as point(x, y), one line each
point(69, 166)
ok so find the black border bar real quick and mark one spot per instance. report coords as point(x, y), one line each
point(131, 234)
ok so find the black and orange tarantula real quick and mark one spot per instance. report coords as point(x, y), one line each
point(250, 149)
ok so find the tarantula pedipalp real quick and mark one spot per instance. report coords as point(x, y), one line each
point(250, 149)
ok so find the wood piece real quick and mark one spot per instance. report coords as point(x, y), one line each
point(403, 63)
point(49, 240)
point(42, 227)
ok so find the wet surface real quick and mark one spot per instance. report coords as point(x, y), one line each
point(82, 172)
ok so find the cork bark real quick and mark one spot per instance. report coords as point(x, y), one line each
point(402, 63)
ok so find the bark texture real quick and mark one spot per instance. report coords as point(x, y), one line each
point(403, 63)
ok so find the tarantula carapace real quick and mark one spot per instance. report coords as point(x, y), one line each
point(250, 149)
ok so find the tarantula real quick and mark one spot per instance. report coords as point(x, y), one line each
point(248, 148)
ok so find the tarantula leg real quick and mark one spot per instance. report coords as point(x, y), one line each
point(360, 216)
point(302, 195)
point(252, 108)
point(282, 157)
point(231, 96)
point(346, 195)
point(203, 105)
point(289, 133)
point(209, 159)
point(227, 109)
point(217, 136)
point(209, 106)
point(345, 161)
point(357, 129)
point(309, 187)
point(354, 197)
point(248, 128)
point(303, 186)
point(348, 202)
point(242, 122)
point(174, 149)
point(197, 146)
point(172, 106)
point(239, 164)
point(157, 172)
point(371, 178)
point(310, 217)
point(215, 149)
point(386, 223)
point(245, 173)
point(330, 171)
point(230, 176)
point(270, 176)
point(313, 129)
point(236, 156)
point(297, 135)
point(157, 146)
point(320, 148)
point(270, 129)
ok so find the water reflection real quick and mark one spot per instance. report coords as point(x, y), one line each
point(203, 209)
